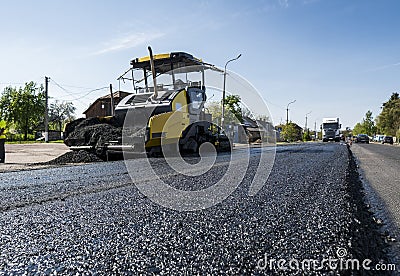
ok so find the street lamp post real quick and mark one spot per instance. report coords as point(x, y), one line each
point(223, 91)
point(287, 111)
point(315, 131)
point(305, 129)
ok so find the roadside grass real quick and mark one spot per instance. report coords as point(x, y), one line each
point(34, 142)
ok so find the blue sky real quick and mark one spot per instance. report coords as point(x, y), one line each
point(335, 58)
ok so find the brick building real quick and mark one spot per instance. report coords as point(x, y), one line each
point(102, 106)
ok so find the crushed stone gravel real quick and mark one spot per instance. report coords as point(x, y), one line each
point(81, 156)
point(91, 219)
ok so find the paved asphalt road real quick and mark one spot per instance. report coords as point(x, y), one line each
point(22, 156)
point(93, 219)
point(380, 167)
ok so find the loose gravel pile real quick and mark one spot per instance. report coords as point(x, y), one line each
point(81, 156)
point(91, 219)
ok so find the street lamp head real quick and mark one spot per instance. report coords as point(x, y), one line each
point(290, 103)
point(287, 111)
point(226, 64)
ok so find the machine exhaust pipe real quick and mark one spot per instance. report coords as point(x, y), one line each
point(153, 71)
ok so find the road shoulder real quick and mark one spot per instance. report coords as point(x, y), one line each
point(29, 156)
point(382, 194)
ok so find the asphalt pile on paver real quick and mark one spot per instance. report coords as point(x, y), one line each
point(87, 132)
point(92, 132)
point(91, 219)
point(95, 133)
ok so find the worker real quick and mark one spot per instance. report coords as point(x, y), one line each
point(2, 141)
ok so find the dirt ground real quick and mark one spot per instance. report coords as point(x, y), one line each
point(23, 156)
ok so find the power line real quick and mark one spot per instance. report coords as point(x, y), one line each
point(91, 91)
point(73, 86)
point(35, 80)
point(65, 90)
point(77, 100)
point(74, 93)
point(12, 83)
point(60, 86)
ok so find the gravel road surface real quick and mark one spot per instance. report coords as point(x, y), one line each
point(92, 219)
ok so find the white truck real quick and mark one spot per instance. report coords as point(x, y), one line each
point(330, 129)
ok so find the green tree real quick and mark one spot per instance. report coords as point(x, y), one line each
point(306, 136)
point(232, 105)
point(214, 108)
point(233, 111)
point(290, 132)
point(61, 112)
point(24, 107)
point(367, 126)
point(358, 129)
point(388, 120)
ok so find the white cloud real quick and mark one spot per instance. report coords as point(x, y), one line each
point(307, 2)
point(128, 41)
point(284, 3)
point(384, 67)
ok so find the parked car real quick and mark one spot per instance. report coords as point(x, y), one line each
point(388, 140)
point(378, 138)
point(362, 138)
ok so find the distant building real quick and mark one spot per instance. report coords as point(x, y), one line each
point(102, 106)
point(267, 132)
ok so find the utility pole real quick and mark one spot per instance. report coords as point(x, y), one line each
point(287, 111)
point(112, 100)
point(46, 110)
